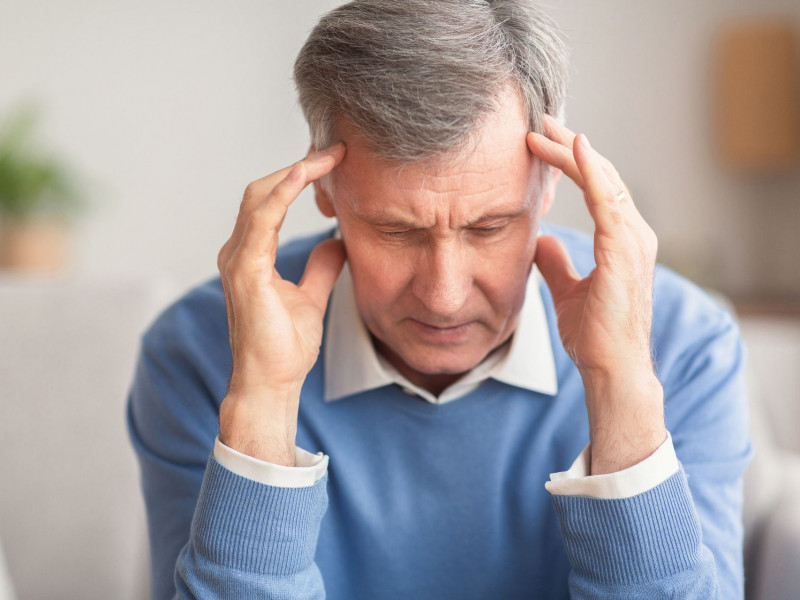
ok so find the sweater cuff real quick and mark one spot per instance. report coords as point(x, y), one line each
point(647, 474)
point(246, 525)
point(650, 536)
point(309, 470)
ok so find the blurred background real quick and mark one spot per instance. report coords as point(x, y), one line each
point(138, 125)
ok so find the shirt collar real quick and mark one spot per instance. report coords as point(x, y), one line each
point(352, 365)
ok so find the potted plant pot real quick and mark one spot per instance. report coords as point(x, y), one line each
point(37, 245)
point(36, 198)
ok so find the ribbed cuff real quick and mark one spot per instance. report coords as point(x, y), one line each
point(258, 528)
point(650, 536)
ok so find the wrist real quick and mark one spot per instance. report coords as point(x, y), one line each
point(248, 382)
point(262, 425)
point(626, 419)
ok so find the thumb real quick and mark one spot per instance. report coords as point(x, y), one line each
point(322, 269)
point(555, 265)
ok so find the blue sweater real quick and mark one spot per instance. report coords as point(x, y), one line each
point(442, 501)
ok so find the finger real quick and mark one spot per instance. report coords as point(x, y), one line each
point(323, 268)
point(556, 266)
point(602, 198)
point(252, 224)
point(566, 137)
point(315, 165)
point(261, 225)
point(558, 132)
point(259, 239)
point(556, 155)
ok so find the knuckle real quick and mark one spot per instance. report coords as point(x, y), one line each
point(227, 257)
point(234, 273)
point(652, 240)
point(609, 196)
point(250, 192)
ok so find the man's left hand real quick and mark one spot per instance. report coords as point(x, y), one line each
point(605, 318)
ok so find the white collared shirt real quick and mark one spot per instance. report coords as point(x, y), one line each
point(365, 369)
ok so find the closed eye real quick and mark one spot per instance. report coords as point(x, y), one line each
point(489, 230)
point(395, 234)
point(481, 231)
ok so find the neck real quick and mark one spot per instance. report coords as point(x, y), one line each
point(435, 383)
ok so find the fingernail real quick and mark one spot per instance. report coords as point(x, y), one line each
point(585, 142)
point(321, 155)
point(334, 148)
point(318, 156)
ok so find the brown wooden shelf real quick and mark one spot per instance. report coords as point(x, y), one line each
point(784, 307)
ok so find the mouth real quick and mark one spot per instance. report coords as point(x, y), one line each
point(448, 333)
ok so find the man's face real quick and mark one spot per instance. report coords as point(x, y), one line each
point(440, 252)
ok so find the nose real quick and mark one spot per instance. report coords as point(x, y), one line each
point(443, 278)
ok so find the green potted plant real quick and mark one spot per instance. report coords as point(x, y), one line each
point(37, 198)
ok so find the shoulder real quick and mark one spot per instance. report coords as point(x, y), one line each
point(695, 339)
point(682, 307)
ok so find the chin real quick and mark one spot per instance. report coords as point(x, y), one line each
point(430, 361)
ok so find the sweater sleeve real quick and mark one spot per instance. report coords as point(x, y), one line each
point(251, 540)
point(683, 537)
point(212, 533)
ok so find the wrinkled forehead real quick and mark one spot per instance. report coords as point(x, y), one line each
point(495, 159)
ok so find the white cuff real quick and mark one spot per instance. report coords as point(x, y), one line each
point(310, 467)
point(645, 475)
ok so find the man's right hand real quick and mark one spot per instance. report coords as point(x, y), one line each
point(275, 326)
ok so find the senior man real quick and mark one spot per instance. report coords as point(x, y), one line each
point(374, 412)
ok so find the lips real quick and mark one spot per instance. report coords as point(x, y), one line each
point(440, 332)
point(441, 327)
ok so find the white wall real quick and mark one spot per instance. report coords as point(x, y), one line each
point(171, 108)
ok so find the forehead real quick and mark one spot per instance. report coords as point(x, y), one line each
point(493, 167)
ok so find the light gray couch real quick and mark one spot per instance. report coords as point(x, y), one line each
point(772, 483)
point(71, 516)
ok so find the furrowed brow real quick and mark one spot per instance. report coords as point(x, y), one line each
point(498, 216)
point(386, 220)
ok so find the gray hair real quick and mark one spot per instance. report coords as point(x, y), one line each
point(418, 77)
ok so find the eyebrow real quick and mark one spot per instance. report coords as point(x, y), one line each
point(381, 219)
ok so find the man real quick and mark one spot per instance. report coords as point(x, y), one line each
point(374, 412)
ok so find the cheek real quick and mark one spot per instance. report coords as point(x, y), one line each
point(379, 276)
point(504, 271)
point(512, 253)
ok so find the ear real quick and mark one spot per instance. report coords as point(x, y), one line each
point(550, 178)
point(323, 199)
